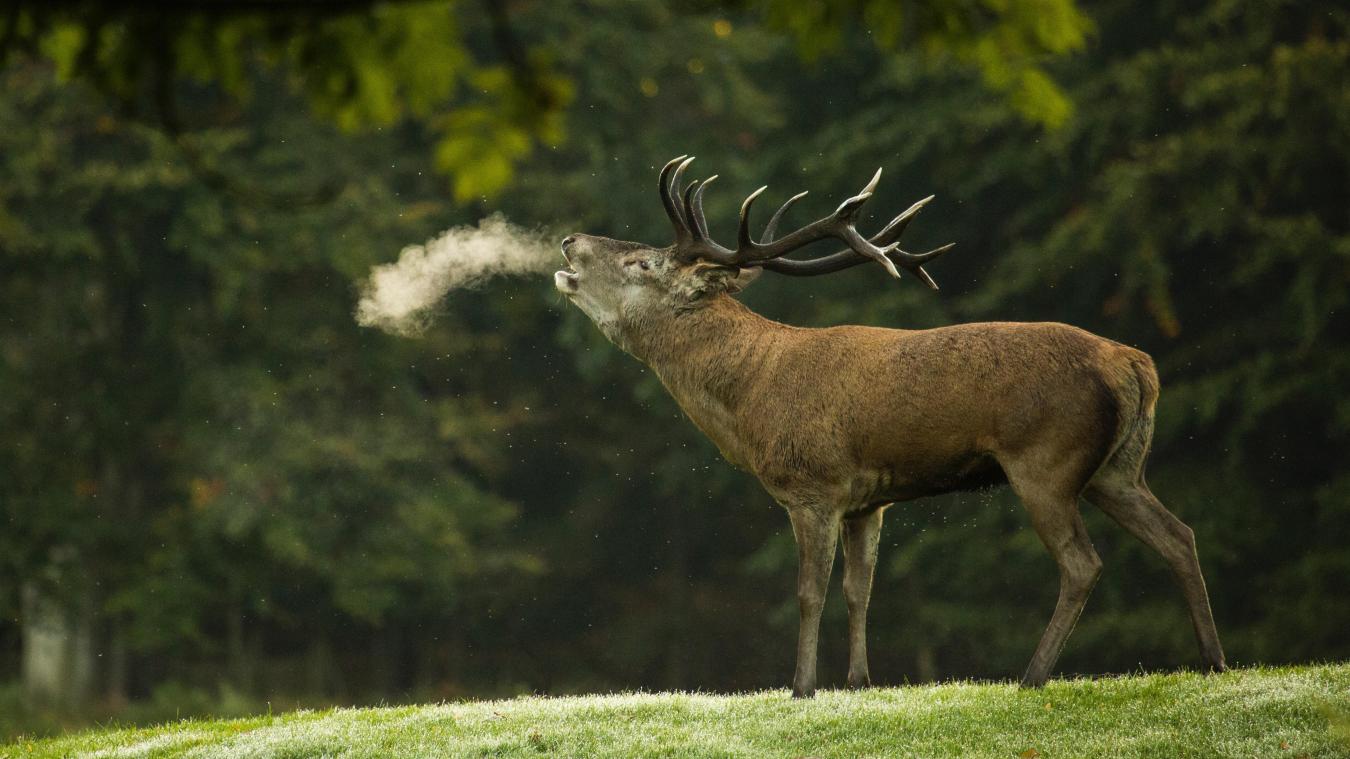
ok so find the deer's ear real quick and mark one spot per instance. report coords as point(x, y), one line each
point(743, 278)
point(720, 277)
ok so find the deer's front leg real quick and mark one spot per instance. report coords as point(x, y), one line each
point(862, 533)
point(817, 534)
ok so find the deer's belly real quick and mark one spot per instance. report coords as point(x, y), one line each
point(903, 481)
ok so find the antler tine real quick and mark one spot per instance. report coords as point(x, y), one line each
point(683, 232)
point(687, 210)
point(925, 277)
point(743, 241)
point(667, 200)
point(914, 264)
point(849, 208)
point(684, 197)
point(872, 185)
point(893, 230)
point(912, 259)
point(675, 177)
point(694, 210)
point(688, 199)
point(777, 215)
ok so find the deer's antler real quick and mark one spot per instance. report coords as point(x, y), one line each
point(692, 241)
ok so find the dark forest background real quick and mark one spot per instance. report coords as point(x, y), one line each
point(218, 494)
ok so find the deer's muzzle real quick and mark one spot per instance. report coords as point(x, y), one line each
point(565, 281)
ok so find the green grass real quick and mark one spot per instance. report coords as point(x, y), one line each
point(1267, 712)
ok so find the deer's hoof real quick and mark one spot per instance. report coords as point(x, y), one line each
point(803, 692)
point(858, 683)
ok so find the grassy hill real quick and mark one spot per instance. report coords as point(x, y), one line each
point(1268, 712)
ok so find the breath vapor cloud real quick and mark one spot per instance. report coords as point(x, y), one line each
point(399, 297)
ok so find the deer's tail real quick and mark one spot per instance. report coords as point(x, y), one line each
point(1135, 381)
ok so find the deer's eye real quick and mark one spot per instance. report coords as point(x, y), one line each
point(644, 264)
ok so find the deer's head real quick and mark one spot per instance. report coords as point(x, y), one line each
point(619, 283)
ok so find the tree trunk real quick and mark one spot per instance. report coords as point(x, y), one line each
point(925, 662)
point(116, 686)
point(387, 661)
point(58, 652)
point(240, 659)
point(318, 666)
point(678, 602)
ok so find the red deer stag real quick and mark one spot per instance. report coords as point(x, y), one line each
point(840, 423)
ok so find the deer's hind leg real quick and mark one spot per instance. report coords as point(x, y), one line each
point(1048, 486)
point(1120, 491)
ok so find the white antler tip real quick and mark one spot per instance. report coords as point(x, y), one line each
point(872, 185)
point(922, 203)
point(745, 205)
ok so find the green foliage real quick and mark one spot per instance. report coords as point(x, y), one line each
point(361, 66)
point(484, 142)
point(1008, 41)
point(369, 65)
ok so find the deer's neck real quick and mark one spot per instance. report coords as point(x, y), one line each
point(710, 359)
point(714, 349)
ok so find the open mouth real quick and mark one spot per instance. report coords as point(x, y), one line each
point(566, 279)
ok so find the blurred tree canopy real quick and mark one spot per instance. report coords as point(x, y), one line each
point(213, 482)
point(480, 74)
